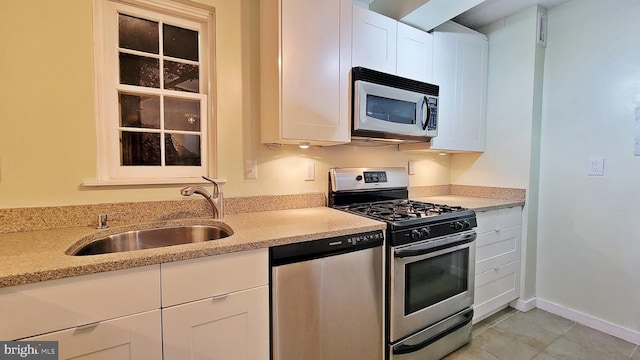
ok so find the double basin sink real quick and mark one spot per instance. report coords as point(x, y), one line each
point(151, 238)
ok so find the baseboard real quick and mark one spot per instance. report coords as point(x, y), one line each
point(523, 305)
point(590, 321)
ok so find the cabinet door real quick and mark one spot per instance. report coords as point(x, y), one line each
point(232, 327)
point(314, 79)
point(374, 40)
point(135, 337)
point(460, 69)
point(414, 55)
point(495, 288)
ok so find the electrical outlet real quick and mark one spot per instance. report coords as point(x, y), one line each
point(596, 167)
point(310, 171)
point(250, 169)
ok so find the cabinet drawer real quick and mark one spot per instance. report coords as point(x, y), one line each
point(487, 221)
point(498, 219)
point(136, 337)
point(234, 327)
point(497, 248)
point(509, 217)
point(200, 278)
point(48, 306)
point(496, 288)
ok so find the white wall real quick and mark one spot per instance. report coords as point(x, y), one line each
point(589, 228)
point(513, 118)
point(47, 127)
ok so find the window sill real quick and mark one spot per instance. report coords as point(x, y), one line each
point(146, 182)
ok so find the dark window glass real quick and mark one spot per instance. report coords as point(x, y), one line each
point(139, 70)
point(140, 111)
point(181, 149)
point(181, 114)
point(138, 148)
point(181, 77)
point(432, 280)
point(396, 111)
point(180, 43)
point(138, 34)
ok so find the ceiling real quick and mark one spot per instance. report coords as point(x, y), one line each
point(486, 12)
point(492, 10)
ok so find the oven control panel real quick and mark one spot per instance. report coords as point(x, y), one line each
point(431, 231)
point(354, 179)
point(375, 176)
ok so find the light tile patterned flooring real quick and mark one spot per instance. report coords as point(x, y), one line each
point(540, 335)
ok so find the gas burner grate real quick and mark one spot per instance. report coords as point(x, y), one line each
point(398, 210)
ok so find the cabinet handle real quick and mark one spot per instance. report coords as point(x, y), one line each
point(88, 326)
point(220, 297)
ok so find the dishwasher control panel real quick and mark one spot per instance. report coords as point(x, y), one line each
point(315, 249)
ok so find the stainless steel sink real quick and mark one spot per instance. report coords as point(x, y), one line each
point(152, 238)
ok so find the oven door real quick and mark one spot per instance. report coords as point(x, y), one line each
point(393, 111)
point(429, 281)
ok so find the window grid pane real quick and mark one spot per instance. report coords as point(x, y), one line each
point(183, 145)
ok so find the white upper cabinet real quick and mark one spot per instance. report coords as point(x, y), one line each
point(374, 40)
point(305, 59)
point(460, 58)
point(383, 44)
point(460, 69)
point(414, 54)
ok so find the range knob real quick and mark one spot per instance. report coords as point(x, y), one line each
point(466, 224)
point(425, 232)
point(415, 234)
point(359, 178)
point(457, 225)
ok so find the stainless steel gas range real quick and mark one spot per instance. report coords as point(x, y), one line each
point(429, 256)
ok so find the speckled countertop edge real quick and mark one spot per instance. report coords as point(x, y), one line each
point(39, 255)
point(35, 256)
point(474, 203)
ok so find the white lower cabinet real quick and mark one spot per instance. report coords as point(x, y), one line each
point(498, 252)
point(129, 337)
point(214, 307)
point(217, 307)
point(234, 326)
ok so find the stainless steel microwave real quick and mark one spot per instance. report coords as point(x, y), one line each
point(391, 108)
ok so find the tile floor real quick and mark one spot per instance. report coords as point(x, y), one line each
point(539, 335)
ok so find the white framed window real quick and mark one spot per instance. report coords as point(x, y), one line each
point(154, 82)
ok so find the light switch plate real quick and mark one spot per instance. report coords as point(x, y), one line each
point(310, 171)
point(410, 168)
point(596, 167)
point(250, 169)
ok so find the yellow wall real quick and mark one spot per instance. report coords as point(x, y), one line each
point(47, 123)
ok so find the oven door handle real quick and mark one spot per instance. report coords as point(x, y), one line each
point(407, 349)
point(429, 247)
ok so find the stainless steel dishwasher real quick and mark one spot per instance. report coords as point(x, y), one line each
point(326, 298)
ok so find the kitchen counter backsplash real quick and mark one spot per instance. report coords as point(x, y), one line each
point(56, 217)
point(512, 194)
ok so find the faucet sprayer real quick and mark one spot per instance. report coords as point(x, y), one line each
point(215, 200)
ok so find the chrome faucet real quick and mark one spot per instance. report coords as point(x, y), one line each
point(216, 199)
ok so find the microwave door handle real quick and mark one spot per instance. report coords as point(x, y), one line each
point(425, 119)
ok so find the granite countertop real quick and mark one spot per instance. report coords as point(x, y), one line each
point(474, 203)
point(33, 256)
